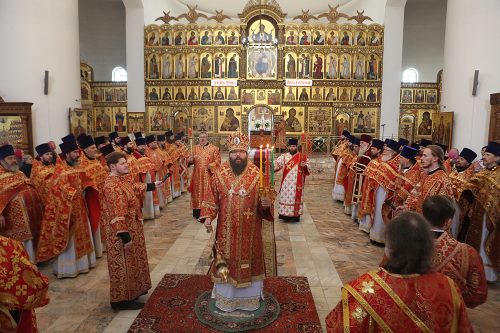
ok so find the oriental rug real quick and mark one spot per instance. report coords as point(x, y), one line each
point(171, 307)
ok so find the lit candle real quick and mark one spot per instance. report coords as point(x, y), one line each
point(272, 166)
point(268, 166)
point(260, 170)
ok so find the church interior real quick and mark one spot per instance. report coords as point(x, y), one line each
point(275, 70)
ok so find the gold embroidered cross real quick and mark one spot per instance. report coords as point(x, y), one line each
point(359, 314)
point(231, 191)
point(367, 287)
point(299, 188)
point(248, 213)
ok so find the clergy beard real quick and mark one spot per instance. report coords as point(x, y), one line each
point(460, 169)
point(362, 151)
point(238, 168)
point(386, 157)
point(129, 150)
point(10, 168)
point(72, 162)
point(292, 152)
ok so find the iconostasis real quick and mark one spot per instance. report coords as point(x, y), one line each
point(310, 73)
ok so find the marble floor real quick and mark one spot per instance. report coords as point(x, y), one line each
point(326, 247)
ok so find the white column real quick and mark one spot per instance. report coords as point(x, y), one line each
point(135, 55)
point(471, 43)
point(393, 56)
point(39, 35)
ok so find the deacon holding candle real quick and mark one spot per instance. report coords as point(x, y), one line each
point(296, 168)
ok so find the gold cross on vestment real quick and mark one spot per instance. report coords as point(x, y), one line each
point(231, 191)
point(299, 188)
point(248, 213)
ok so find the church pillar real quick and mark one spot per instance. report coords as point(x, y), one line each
point(34, 39)
point(391, 77)
point(471, 43)
point(135, 55)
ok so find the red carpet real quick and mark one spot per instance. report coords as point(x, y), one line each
point(170, 308)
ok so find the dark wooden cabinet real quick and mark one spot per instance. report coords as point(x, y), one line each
point(15, 125)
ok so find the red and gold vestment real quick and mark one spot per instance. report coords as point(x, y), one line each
point(434, 183)
point(292, 183)
point(22, 288)
point(97, 174)
point(206, 161)
point(369, 187)
point(479, 201)
point(459, 179)
point(244, 239)
point(21, 207)
point(41, 175)
point(127, 264)
point(406, 182)
point(355, 179)
point(65, 214)
point(348, 156)
point(464, 266)
point(379, 301)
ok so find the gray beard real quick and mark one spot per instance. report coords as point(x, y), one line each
point(238, 168)
point(10, 168)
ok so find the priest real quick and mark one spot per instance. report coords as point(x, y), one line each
point(20, 205)
point(244, 242)
point(295, 168)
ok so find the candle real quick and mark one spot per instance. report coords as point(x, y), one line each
point(190, 132)
point(260, 170)
point(272, 166)
point(268, 167)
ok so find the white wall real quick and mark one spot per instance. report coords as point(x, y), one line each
point(471, 43)
point(102, 36)
point(39, 35)
point(423, 41)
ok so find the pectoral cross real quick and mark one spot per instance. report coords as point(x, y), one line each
point(248, 213)
point(231, 191)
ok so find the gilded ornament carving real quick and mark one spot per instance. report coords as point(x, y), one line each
point(166, 18)
point(305, 16)
point(219, 16)
point(360, 18)
point(333, 15)
point(192, 15)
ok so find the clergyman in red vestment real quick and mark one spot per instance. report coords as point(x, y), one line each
point(126, 248)
point(206, 159)
point(20, 205)
point(243, 238)
point(405, 295)
point(457, 260)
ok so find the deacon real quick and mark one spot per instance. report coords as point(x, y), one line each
point(22, 288)
point(295, 167)
point(145, 166)
point(457, 260)
point(243, 240)
point(127, 257)
point(20, 206)
point(480, 207)
point(65, 231)
point(369, 186)
point(206, 160)
point(434, 181)
point(405, 295)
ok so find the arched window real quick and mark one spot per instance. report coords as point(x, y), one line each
point(410, 75)
point(119, 74)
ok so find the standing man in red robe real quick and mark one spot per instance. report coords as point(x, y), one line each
point(20, 205)
point(206, 159)
point(243, 239)
point(457, 260)
point(127, 257)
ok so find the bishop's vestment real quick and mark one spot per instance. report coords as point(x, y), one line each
point(244, 238)
point(291, 200)
point(127, 264)
point(379, 301)
point(22, 288)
